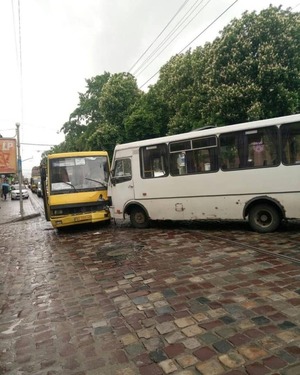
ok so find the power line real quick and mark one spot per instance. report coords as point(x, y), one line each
point(296, 6)
point(178, 11)
point(183, 19)
point(214, 21)
point(36, 144)
point(166, 39)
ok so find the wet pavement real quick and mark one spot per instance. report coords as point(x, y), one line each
point(172, 299)
point(10, 211)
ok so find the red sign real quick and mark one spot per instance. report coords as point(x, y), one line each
point(8, 155)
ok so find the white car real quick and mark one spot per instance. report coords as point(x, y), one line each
point(15, 192)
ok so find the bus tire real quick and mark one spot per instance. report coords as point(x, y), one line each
point(264, 218)
point(139, 218)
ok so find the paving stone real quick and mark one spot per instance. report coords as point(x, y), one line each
point(152, 369)
point(292, 370)
point(225, 331)
point(222, 346)
point(191, 343)
point(193, 330)
point(186, 360)
point(158, 355)
point(260, 320)
point(153, 343)
point(232, 359)
point(204, 353)
point(184, 322)
point(269, 343)
point(209, 338)
point(174, 337)
point(227, 319)
point(147, 333)
point(164, 310)
point(274, 362)
point(165, 327)
point(211, 367)
point(203, 300)
point(252, 352)
point(128, 339)
point(293, 350)
point(256, 369)
point(169, 293)
point(135, 349)
point(141, 300)
point(288, 336)
point(174, 350)
point(200, 317)
point(286, 325)
point(168, 366)
point(124, 371)
point(157, 296)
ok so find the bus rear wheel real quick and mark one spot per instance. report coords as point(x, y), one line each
point(139, 218)
point(264, 218)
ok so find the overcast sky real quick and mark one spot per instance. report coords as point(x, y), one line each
point(64, 42)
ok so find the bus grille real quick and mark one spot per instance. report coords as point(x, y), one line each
point(78, 209)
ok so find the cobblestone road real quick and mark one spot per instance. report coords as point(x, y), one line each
point(167, 300)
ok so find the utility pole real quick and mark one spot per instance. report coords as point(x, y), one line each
point(19, 170)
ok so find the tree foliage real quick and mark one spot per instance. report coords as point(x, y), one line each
point(250, 71)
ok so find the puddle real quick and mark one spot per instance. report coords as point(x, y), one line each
point(118, 251)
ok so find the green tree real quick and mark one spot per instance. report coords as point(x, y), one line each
point(148, 119)
point(86, 118)
point(117, 101)
point(255, 68)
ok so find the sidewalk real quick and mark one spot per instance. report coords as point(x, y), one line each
point(10, 211)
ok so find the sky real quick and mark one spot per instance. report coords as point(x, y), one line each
point(50, 47)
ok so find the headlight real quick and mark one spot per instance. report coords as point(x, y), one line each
point(57, 212)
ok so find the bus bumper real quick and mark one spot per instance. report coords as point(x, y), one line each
point(93, 217)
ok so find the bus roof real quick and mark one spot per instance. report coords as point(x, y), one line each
point(212, 130)
point(77, 154)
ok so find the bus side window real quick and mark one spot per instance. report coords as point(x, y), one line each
point(154, 161)
point(253, 148)
point(290, 138)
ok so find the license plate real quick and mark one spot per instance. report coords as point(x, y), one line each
point(82, 218)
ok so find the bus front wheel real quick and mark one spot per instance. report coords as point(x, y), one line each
point(139, 218)
point(264, 218)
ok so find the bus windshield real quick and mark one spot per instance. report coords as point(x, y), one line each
point(78, 174)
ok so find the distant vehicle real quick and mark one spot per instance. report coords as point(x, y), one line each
point(15, 192)
point(35, 178)
point(39, 191)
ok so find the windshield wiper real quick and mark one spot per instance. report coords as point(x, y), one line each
point(69, 183)
point(99, 182)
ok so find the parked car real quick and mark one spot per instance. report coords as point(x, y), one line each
point(15, 192)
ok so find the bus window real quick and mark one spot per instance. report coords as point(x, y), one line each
point(196, 156)
point(290, 137)
point(122, 171)
point(154, 161)
point(249, 149)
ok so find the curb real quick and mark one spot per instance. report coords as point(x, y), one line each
point(27, 217)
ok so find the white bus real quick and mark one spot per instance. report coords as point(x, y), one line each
point(242, 171)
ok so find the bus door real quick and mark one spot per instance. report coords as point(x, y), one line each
point(121, 187)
